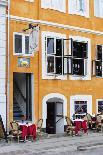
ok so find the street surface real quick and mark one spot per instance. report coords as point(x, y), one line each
point(91, 144)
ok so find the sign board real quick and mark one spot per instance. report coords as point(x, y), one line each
point(23, 62)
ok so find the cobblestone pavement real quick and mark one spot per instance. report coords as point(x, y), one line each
point(78, 145)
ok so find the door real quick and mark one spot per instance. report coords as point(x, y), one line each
point(51, 118)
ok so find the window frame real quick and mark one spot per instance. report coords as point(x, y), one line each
point(97, 100)
point(46, 34)
point(84, 97)
point(23, 44)
point(88, 68)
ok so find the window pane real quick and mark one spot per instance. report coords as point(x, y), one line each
point(98, 68)
point(50, 64)
point(18, 43)
point(79, 49)
point(80, 108)
point(58, 65)
point(99, 52)
point(78, 66)
point(100, 106)
point(50, 45)
point(59, 47)
point(26, 44)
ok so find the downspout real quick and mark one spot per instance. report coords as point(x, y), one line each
point(8, 67)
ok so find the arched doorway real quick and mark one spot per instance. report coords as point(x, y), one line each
point(54, 108)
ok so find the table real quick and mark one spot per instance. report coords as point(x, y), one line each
point(81, 125)
point(28, 129)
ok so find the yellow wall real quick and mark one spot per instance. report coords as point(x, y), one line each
point(44, 87)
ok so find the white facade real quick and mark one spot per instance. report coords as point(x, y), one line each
point(3, 60)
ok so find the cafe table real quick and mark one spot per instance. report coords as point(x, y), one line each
point(28, 129)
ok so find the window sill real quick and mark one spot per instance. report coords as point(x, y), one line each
point(23, 55)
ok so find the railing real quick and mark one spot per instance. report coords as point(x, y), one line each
point(59, 119)
point(21, 100)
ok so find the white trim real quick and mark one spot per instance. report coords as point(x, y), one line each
point(67, 27)
point(86, 40)
point(74, 98)
point(44, 106)
point(44, 68)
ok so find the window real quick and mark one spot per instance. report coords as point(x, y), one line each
point(21, 44)
point(78, 62)
point(80, 108)
point(79, 7)
point(80, 105)
point(98, 62)
point(98, 8)
point(52, 55)
point(100, 106)
point(59, 5)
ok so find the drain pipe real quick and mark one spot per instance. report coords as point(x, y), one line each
point(8, 66)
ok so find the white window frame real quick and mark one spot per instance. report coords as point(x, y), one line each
point(97, 104)
point(50, 5)
point(86, 40)
point(44, 62)
point(73, 9)
point(74, 98)
point(97, 5)
point(23, 44)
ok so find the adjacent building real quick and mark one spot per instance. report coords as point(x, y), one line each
point(3, 4)
point(64, 75)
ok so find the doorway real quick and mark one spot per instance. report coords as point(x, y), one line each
point(22, 96)
point(54, 121)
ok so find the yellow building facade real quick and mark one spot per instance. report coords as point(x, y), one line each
point(63, 76)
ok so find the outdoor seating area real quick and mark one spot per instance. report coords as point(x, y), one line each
point(23, 131)
point(80, 126)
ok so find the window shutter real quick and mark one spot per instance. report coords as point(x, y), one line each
point(67, 68)
point(93, 68)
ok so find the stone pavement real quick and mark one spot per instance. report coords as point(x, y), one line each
point(65, 145)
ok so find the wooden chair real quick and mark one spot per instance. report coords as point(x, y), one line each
point(70, 128)
point(39, 127)
point(98, 123)
point(15, 130)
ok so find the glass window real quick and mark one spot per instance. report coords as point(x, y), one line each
point(50, 45)
point(80, 107)
point(98, 8)
point(54, 55)
point(50, 64)
point(18, 43)
point(21, 44)
point(100, 106)
point(98, 61)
